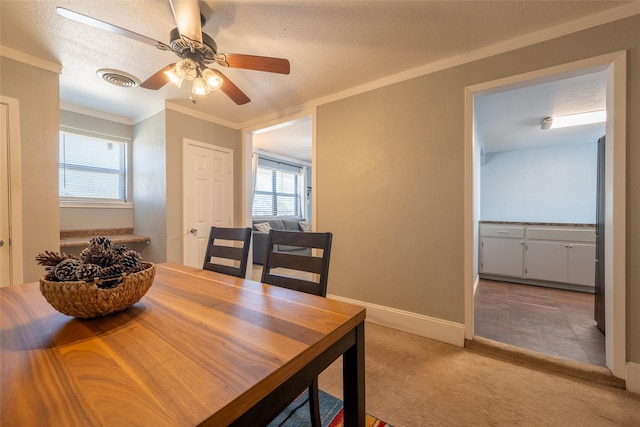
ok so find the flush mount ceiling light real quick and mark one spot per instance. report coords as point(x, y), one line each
point(590, 117)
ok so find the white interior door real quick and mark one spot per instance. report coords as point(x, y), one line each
point(5, 255)
point(208, 196)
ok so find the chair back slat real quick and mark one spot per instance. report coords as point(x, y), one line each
point(297, 262)
point(300, 239)
point(238, 254)
point(293, 271)
point(234, 253)
point(295, 284)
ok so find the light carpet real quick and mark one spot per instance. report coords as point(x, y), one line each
point(413, 381)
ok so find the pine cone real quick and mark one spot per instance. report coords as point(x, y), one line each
point(130, 260)
point(66, 270)
point(88, 272)
point(139, 267)
point(101, 241)
point(50, 258)
point(96, 254)
point(119, 249)
point(112, 270)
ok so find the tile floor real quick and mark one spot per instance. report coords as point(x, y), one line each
point(546, 320)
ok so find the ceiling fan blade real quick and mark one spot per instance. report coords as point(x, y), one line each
point(187, 16)
point(231, 90)
point(78, 17)
point(251, 62)
point(157, 80)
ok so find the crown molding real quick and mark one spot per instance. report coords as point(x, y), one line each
point(155, 110)
point(25, 58)
point(95, 113)
point(198, 115)
point(605, 17)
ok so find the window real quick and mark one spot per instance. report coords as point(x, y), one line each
point(92, 168)
point(277, 189)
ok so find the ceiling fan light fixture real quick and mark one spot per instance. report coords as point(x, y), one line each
point(199, 86)
point(187, 69)
point(173, 77)
point(213, 80)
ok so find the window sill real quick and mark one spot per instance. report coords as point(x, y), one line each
point(78, 238)
point(95, 204)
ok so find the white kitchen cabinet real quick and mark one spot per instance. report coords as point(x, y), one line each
point(558, 260)
point(581, 264)
point(502, 256)
point(501, 250)
point(538, 253)
point(546, 261)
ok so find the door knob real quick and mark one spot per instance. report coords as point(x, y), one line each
point(194, 231)
point(1, 243)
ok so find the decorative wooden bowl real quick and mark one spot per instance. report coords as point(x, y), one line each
point(87, 300)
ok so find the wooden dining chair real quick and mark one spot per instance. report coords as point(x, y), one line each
point(304, 273)
point(236, 256)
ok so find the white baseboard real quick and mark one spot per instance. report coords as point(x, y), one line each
point(633, 377)
point(429, 327)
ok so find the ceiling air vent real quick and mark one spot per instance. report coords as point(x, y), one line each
point(118, 78)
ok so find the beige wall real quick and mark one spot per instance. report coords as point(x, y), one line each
point(390, 179)
point(180, 126)
point(150, 185)
point(37, 91)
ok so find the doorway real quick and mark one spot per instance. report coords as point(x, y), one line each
point(615, 66)
point(289, 141)
point(544, 179)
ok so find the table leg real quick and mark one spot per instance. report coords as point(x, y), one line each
point(353, 382)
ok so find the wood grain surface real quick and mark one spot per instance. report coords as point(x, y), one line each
point(199, 347)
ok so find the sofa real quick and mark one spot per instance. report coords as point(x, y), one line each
point(261, 236)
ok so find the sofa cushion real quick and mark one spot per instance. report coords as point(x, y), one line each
point(262, 226)
point(276, 224)
point(305, 226)
point(291, 224)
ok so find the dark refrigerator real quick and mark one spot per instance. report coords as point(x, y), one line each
point(600, 202)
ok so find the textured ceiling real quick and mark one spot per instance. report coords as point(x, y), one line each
point(511, 120)
point(332, 45)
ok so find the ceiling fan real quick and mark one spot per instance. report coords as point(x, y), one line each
point(197, 51)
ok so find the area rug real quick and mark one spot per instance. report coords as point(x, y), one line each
point(331, 413)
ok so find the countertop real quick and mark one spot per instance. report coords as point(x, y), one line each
point(543, 224)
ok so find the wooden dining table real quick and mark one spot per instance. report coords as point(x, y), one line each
point(200, 348)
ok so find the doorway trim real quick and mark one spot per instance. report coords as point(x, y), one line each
point(15, 186)
point(615, 211)
point(247, 174)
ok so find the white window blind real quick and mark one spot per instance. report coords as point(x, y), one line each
point(277, 190)
point(92, 168)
